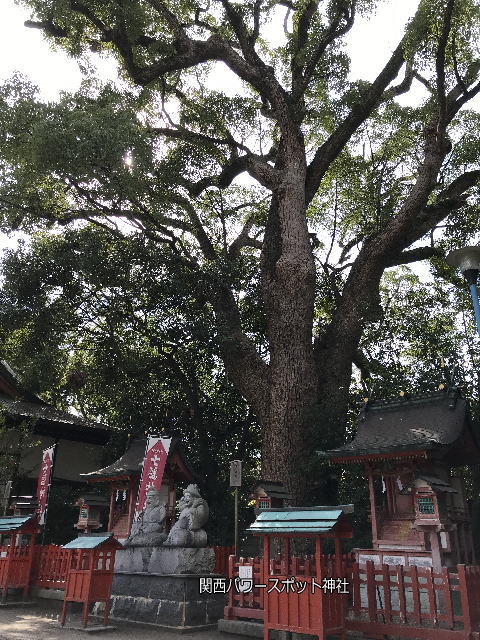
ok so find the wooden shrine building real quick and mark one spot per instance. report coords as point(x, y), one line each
point(123, 478)
point(419, 514)
point(31, 425)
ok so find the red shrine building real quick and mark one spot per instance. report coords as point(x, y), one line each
point(123, 478)
point(410, 448)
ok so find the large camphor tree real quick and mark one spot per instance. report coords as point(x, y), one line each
point(342, 180)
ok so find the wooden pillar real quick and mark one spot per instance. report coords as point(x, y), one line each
point(435, 547)
point(320, 576)
point(10, 552)
point(266, 573)
point(338, 558)
point(373, 510)
point(456, 542)
point(286, 556)
point(112, 506)
point(132, 500)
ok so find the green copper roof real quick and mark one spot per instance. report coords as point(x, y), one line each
point(298, 520)
point(12, 523)
point(90, 542)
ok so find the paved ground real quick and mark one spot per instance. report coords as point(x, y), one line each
point(41, 623)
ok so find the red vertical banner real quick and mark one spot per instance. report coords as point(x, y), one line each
point(154, 462)
point(44, 478)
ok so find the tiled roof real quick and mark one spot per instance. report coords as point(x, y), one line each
point(416, 424)
point(273, 489)
point(16, 400)
point(44, 411)
point(132, 460)
point(55, 423)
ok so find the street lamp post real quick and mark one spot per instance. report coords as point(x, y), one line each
point(467, 260)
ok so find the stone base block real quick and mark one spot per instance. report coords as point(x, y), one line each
point(165, 560)
point(168, 601)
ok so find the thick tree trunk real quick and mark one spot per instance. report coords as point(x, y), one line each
point(288, 289)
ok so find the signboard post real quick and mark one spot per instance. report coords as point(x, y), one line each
point(236, 481)
point(154, 462)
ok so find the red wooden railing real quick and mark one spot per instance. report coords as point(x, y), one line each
point(14, 567)
point(414, 601)
point(250, 604)
point(221, 559)
point(50, 567)
point(388, 600)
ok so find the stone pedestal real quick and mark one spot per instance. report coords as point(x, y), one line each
point(165, 560)
point(168, 601)
point(161, 586)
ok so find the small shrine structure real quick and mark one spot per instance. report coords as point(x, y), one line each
point(409, 446)
point(123, 478)
point(313, 610)
point(17, 541)
point(269, 494)
point(90, 574)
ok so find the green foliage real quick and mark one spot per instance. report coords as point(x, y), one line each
point(127, 345)
point(146, 236)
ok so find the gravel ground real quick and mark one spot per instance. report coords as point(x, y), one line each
point(41, 622)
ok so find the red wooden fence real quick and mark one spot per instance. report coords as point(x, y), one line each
point(250, 605)
point(221, 559)
point(50, 565)
point(415, 602)
point(388, 600)
point(14, 568)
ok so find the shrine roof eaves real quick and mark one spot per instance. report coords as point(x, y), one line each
point(52, 420)
point(12, 523)
point(424, 423)
point(298, 520)
point(130, 463)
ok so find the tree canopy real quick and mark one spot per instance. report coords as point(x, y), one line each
point(343, 181)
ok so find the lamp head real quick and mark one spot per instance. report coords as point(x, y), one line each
point(467, 259)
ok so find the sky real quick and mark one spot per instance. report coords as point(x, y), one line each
point(23, 49)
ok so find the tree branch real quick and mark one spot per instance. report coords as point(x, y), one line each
point(333, 32)
point(332, 147)
point(415, 255)
point(440, 69)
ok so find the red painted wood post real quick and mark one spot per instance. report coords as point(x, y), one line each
point(285, 557)
point(431, 595)
point(371, 592)
point(464, 600)
point(8, 565)
point(402, 601)
point(415, 595)
point(266, 565)
point(387, 595)
point(447, 596)
point(357, 600)
point(65, 601)
point(373, 510)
